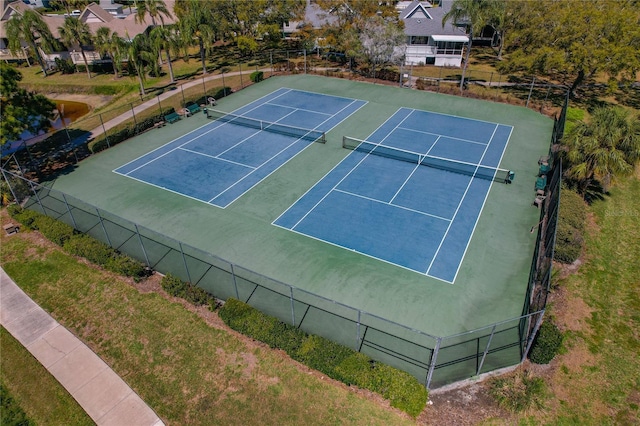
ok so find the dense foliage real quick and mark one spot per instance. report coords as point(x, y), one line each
point(334, 360)
point(20, 110)
point(602, 149)
point(547, 343)
point(571, 227)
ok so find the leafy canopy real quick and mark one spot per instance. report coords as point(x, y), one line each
point(20, 110)
point(572, 41)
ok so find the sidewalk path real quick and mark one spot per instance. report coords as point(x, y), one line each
point(106, 398)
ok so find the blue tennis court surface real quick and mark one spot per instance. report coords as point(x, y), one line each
point(411, 215)
point(220, 161)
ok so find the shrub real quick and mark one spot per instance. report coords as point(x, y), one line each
point(88, 247)
point(26, 217)
point(546, 344)
point(517, 392)
point(257, 76)
point(568, 243)
point(334, 360)
point(122, 264)
point(571, 224)
point(191, 293)
point(54, 230)
point(222, 92)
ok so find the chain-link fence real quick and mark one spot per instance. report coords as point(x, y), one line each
point(434, 360)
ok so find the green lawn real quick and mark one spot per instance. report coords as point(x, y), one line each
point(190, 371)
point(597, 380)
point(42, 398)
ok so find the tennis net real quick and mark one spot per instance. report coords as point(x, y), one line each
point(469, 169)
point(283, 129)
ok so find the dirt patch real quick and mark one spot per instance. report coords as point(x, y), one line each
point(468, 405)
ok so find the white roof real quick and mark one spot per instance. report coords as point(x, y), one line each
point(459, 38)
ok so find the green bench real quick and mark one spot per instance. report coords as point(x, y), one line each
point(172, 118)
point(192, 109)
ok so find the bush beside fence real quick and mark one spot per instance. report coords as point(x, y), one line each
point(334, 360)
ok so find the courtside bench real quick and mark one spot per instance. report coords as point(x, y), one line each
point(172, 118)
point(192, 109)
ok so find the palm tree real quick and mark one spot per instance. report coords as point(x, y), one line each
point(605, 148)
point(112, 45)
point(30, 28)
point(164, 38)
point(75, 32)
point(197, 21)
point(144, 57)
point(154, 8)
point(474, 14)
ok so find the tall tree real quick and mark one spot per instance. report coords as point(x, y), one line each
point(74, 32)
point(20, 110)
point(165, 38)
point(143, 56)
point(197, 21)
point(111, 44)
point(380, 40)
point(475, 15)
point(574, 41)
point(606, 147)
point(30, 28)
point(153, 8)
point(350, 18)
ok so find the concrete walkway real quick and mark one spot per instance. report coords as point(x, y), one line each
point(106, 398)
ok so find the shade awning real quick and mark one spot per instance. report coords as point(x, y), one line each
point(455, 38)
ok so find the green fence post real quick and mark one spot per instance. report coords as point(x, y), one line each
point(146, 258)
point(106, 234)
point(184, 260)
point(432, 364)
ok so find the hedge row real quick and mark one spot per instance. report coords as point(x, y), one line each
point(78, 244)
point(104, 142)
point(334, 360)
point(195, 295)
point(571, 225)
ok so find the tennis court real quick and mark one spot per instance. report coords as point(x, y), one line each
point(383, 202)
point(218, 162)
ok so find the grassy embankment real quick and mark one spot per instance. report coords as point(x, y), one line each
point(189, 369)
